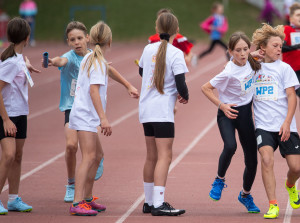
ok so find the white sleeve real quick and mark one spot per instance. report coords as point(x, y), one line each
point(220, 81)
point(97, 76)
point(8, 71)
point(141, 62)
point(290, 78)
point(178, 64)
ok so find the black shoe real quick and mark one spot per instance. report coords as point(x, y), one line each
point(147, 209)
point(166, 209)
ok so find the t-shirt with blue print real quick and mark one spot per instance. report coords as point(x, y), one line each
point(68, 80)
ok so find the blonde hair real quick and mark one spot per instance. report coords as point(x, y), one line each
point(262, 35)
point(167, 24)
point(100, 36)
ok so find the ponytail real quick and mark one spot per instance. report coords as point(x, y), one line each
point(8, 52)
point(255, 65)
point(96, 55)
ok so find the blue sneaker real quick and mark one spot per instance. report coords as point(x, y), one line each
point(100, 170)
point(70, 191)
point(2, 209)
point(216, 191)
point(248, 203)
point(18, 205)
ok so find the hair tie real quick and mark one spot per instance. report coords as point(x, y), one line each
point(164, 36)
point(97, 44)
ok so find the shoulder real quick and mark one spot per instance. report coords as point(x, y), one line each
point(180, 38)
point(288, 29)
point(69, 54)
point(174, 51)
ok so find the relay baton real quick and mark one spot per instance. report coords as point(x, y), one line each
point(45, 56)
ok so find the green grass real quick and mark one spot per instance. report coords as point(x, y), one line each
point(134, 19)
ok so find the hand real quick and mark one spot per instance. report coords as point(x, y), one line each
point(105, 127)
point(228, 111)
point(30, 67)
point(9, 128)
point(133, 92)
point(285, 131)
point(182, 100)
point(258, 55)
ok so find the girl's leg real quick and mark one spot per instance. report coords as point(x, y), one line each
point(93, 170)
point(14, 173)
point(211, 47)
point(8, 146)
point(88, 143)
point(151, 159)
point(71, 150)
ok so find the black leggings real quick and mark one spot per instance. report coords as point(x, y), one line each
point(245, 127)
point(212, 46)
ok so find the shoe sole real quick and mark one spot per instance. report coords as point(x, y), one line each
point(4, 213)
point(28, 210)
point(68, 201)
point(270, 217)
point(83, 214)
point(213, 199)
point(167, 214)
point(99, 210)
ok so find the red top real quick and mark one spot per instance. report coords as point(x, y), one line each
point(291, 57)
point(179, 41)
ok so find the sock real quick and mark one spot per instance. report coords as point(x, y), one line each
point(158, 196)
point(89, 199)
point(75, 204)
point(273, 202)
point(288, 184)
point(221, 178)
point(148, 189)
point(244, 193)
point(71, 181)
point(12, 197)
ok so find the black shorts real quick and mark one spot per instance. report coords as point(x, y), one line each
point(21, 124)
point(67, 116)
point(159, 129)
point(290, 147)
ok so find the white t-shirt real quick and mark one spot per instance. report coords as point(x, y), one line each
point(83, 114)
point(235, 84)
point(15, 93)
point(153, 106)
point(270, 99)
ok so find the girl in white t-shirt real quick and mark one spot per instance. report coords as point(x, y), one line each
point(235, 88)
point(14, 78)
point(162, 67)
point(274, 108)
point(88, 112)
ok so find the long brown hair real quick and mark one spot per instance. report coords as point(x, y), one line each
point(167, 25)
point(18, 30)
point(100, 36)
point(234, 39)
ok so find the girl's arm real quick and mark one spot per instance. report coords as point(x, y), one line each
point(292, 103)
point(9, 127)
point(115, 75)
point(56, 62)
point(207, 89)
point(96, 99)
point(30, 67)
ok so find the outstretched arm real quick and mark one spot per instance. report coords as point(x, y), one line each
point(56, 62)
point(30, 67)
point(115, 75)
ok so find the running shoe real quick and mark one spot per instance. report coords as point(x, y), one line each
point(99, 170)
point(18, 205)
point(147, 208)
point(216, 191)
point(95, 206)
point(2, 209)
point(70, 191)
point(82, 209)
point(248, 203)
point(273, 212)
point(167, 210)
point(294, 196)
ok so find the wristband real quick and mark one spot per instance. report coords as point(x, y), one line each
point(220, 105)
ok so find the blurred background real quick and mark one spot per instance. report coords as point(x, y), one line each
point(133, 20)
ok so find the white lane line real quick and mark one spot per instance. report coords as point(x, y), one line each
point(289, 210)
point(52, 160)
point(173, 165)
point(43, 111)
